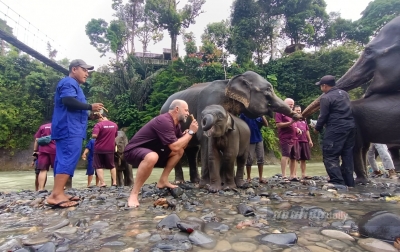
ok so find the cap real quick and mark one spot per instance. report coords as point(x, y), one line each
point(328, 80)
point(80, 63)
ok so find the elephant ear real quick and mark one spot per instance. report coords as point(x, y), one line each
point(238, 88)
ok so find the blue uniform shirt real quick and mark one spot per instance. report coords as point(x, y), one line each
point(90, 146)
point(255, 128)
point(67, 122)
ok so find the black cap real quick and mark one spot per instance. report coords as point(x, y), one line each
point(328, 80)
point(80, 63)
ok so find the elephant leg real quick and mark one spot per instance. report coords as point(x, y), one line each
point(394, 152)
point(228, 174)
point(128, 174)
point(179, 178)
point(191, 154)
point(214, 167)
point(205, 173)
point(240, 162)
point(118, 169)
point(359, 156)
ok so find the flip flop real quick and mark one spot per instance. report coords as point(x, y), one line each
point(294, 180)
point(103, 186)
point(59, 205)
point(263, 181)
point(307, 177)
point(74, 198)
point(285, 181)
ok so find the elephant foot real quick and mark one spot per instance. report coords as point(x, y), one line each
point(214, 188)
point(228, 187)
point(179, 181)
point(203, 183)
point(240, 182)
point(361, 180)
point(195, 180)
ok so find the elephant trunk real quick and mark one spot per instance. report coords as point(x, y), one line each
point(361, 72)
point(207, 122)
point(277, 105)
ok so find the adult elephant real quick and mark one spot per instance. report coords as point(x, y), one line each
point(377, 121)
point(247, 93)
point(378, 63)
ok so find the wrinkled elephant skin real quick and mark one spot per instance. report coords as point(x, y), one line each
point(378, 63)
point(248, 93)
point(123, 169)
point(227, 140)
point(377, 120)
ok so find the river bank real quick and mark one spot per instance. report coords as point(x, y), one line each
point(309, 216)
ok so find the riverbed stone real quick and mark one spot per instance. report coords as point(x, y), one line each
point(143, 235)
point(313, 248)
point(244, 247)
point(337, 234)
point(336, 244)
point(279, 239)
point(47, 247)
point(375, 245)
point(223, 245)
point(174, 245)
point(201, 239)
point(169, 222)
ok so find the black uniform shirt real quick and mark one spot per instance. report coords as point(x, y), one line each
point(335, 111)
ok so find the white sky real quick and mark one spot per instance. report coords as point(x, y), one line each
point(64, 22)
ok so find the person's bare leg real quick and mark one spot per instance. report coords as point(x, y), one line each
point(143, 173)
point(303, 168)
point(37, 182)
point(42, 179)
point(113, 173)
point(97, 180)
point(89, 180)
point(284, 161)
point(100, 175)
point(173, 159)
point(58, 195)
point(292, 166)
point(248, 171)
point(260, 172)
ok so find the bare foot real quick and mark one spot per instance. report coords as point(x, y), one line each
point(165, 185)
point(55, 200)
point(133, 201)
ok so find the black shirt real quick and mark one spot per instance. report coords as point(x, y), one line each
point(335, 111)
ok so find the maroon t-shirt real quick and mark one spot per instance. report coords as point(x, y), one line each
point(45, 130)
point(106, 132)
point(287, 134)
point(157, 134)
point(302, 125)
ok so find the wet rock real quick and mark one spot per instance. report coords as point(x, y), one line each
point(266, 210)
point(11, 245)
point(336, 244)
point(35, 240)
point(243, 246)
point(170, 222)
point(176, 192)
point(317, 249)
point(313, 237)
point(174, 245)
point(245, 210)
point(337, 234)
point(66, 230)
point(374, 245)
point(47, 247)
point(284, 205)
point(143, 236)
point(316, 214)
point(201, 239)
point(181, 236)
point(56, 225)
point(223, 245)
point(114, 243)
point(380, 225)
point(99, 225)
point(188, 226)
point(216, 226)
point(280, 239)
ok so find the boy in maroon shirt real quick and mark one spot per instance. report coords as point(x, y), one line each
point(305, 143)
point(104, 132)
point(46, 154)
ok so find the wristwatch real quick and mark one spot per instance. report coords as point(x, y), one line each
point(191, 132)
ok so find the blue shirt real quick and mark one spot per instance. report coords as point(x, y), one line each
point(67, 122)
point(255, 128)
point(90, 146)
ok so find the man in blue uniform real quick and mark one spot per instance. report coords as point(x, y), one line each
point(68, 128)
point(339, 137)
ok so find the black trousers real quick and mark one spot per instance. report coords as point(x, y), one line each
point(335, 145)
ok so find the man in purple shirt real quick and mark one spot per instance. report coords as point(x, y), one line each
point(46, 154)
point(287, 131)
point(105, 132)
point(159, 143)
point(305, 143)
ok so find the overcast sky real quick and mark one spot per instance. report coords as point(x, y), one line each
point(64, 22)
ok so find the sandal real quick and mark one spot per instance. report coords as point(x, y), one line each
point(294, 180)
point(307, 177)
point(263, 181)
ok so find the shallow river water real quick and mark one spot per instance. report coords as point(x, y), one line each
point(307, 216)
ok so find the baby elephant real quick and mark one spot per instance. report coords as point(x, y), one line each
point(228, 139)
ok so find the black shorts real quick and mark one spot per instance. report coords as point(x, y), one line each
point(304, 151)
point(103, 160)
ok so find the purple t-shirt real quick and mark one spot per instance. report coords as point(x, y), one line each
point(287, 134)
point(45, 130)
point(302, 125)
point(157, 134)
point(106, 132)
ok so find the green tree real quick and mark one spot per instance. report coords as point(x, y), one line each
point(164, 14)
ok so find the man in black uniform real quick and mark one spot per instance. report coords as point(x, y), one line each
point(339, 134)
